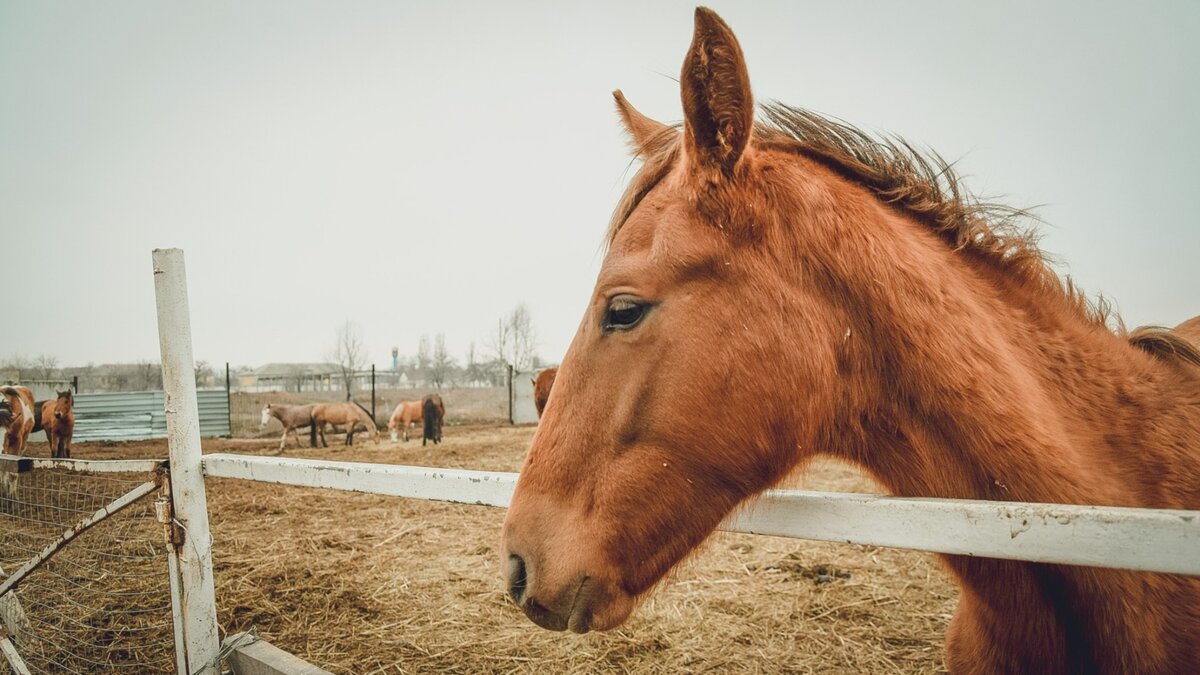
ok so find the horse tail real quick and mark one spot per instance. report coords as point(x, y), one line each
point(432, 410)
point(429, 415)
point(37, 416)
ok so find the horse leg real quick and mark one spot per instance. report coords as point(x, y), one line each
point(283, 438)
point(350, 433)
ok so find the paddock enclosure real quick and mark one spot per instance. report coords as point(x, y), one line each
point(359, 583)
point(360, 560)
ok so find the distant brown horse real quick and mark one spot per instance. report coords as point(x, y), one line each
point(57, 418)
point(541, 388)
point(840, 296)
point(406, 414)
point(21, 419)
point(433, 412)
point(292, 417)
point(348, 414)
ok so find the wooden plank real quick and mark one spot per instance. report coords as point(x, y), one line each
point(198, 610)
point(484, 488)
point(1152, 540)
point(15, 464)
point(1127, 538)
point(263, 658)
point(100, 465)
point(12, 657)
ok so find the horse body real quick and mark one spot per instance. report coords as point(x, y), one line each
point(433, 412)
point(348, 414)
point(896, 327)
point(406, 414)
point(292, 417)
point(541, 388)
point(57, 418)
point(21, 419)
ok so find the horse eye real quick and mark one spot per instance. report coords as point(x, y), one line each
point(623, 315)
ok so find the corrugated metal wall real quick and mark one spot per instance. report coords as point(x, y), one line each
point(141, 415)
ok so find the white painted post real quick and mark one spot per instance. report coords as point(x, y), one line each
point(198, 607)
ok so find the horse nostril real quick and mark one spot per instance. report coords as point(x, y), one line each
point(516, 578)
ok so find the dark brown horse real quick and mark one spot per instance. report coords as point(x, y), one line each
point(57, 418)
point(292, 417)
point(840, 297)
point(349, 414)
point(21, 419)
point(433, 411)
point(542, 384)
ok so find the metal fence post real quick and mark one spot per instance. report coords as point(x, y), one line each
point(196, 606)
point(373, 418)
point(228, 400)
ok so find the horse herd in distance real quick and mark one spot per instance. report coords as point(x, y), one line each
point(21, 416)
point(429, 412)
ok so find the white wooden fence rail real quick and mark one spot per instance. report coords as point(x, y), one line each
point(1153, 540)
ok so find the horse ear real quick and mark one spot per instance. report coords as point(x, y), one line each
point(646, 136)
point(717, 105)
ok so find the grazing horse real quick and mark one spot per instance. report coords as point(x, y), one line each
point(406, 414)
point(433, 412)
point(20, 425)
point(842, 297)
point(347, 414)
point(542, 385)
point(57, 417)
point(292, 417)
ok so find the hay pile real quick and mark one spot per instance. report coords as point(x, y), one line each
point(365, 584)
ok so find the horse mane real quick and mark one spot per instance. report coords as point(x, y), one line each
point(1164, 344)
point(926, 187)
point(367, 413)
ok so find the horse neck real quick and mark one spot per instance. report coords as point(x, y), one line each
point(976, 385)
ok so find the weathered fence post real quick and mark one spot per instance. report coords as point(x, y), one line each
point(228, 400)
point(195, 606)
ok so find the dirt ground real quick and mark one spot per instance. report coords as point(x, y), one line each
point(367, 584)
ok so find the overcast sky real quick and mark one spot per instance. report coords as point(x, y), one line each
point(421, 169)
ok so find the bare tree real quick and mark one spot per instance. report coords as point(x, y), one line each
point(349, 353)
point(204, 372)
point(44, 366)
point(441, 364)
point(474, 371)
point(147, 376)
point(15, 366)
point(515, 339)
point(423, 355)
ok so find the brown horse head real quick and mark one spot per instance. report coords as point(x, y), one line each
point(542, 384)
point(64, 404)
point(650, 422)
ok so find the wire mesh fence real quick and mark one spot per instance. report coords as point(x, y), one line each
point(101, 603)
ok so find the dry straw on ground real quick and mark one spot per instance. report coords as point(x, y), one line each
point(367, 584)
